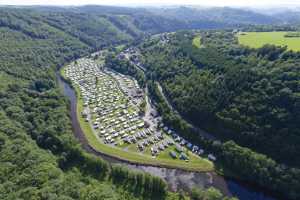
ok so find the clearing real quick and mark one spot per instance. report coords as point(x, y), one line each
point(197, 41)
point(258, 39)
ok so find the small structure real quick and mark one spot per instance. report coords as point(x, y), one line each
point(179, 148)
point(173, 154)
point(154, 113)
point(154, 151)
point(183, 142)
point(200, 152)
point(141, 147)
point(195, 148)
point(160, 136)
point(85, 113)
point(189, 146)
point(183, 156)
point(161, 147)
point(211, 157)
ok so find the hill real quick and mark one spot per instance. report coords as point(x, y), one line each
point(219, 16)
point(157, 20)
point(219, 85)
point(40, 159)
point(250, 96)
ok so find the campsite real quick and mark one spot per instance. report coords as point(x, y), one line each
point(109, 112)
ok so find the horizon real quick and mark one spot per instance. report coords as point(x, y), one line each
point(156, 3)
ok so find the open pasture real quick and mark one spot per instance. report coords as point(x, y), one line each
point(258, 39)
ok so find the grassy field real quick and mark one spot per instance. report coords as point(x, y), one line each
point(258, 39)
point(195, 164)
point(197, 41)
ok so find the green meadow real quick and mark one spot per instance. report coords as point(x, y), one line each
point(258, 39)
point(197, 41)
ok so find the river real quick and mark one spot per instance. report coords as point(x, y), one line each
point(176, 179)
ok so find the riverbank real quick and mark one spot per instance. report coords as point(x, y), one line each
point(198, 165)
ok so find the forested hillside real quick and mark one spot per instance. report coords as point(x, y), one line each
point(123, 23)
point(236, 93)
point(40, 158)
point(246, 94)
point(217, 16)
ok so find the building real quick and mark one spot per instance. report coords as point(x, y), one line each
point(211, 157)
point(189, 146)
point(183, 156)
point(179, 148)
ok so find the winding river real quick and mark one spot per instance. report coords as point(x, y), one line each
point(176, 179)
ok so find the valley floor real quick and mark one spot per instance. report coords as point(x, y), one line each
point(116, 132)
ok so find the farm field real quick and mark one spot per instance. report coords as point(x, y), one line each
point(258, 39)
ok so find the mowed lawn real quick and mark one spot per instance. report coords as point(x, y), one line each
point(258, 39)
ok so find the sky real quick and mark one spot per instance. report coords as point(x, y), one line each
point(251, 3)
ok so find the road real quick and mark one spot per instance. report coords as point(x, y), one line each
point(165, 98)
point(199, 130)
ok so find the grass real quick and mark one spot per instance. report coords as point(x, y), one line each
point(258, 39)
point(195, 164)
point(197, 41)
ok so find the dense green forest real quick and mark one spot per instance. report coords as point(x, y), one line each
point(247, 95)
point(124, 67)
point(39, 157)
